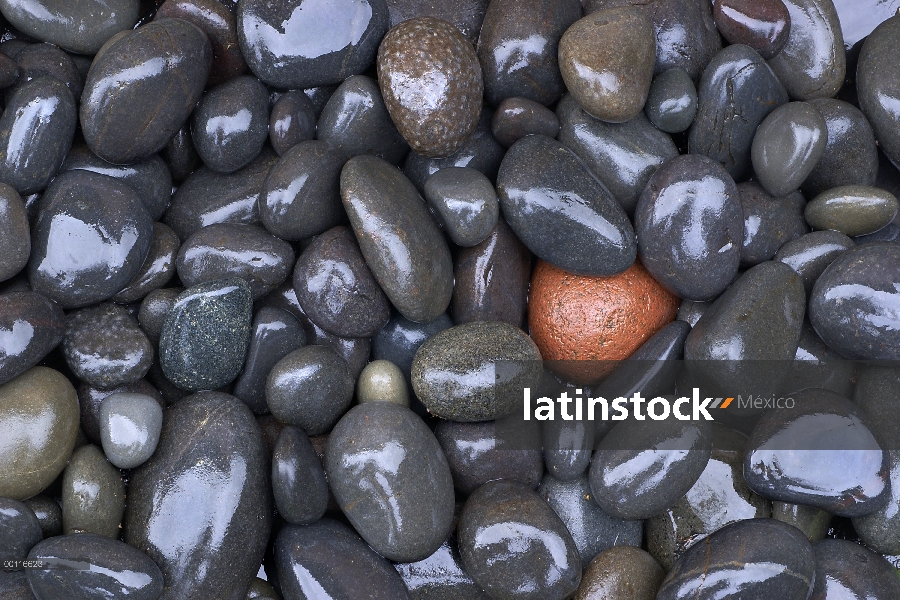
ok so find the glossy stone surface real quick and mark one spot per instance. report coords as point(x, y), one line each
point(853, 303)
point(105, 347)
point(810, 254)
point(356, 121)
point(491, 279)
point(787, 146)
point(38, 60)
point(90, 399)
point(854, 479)
point(328, 560)
point(113, 568)
point(398, 238)
point(20, 529)
point(437, 117)
point(761, 558)
point(878, 86)
point(567, 448)
point(400, 339)
point(466, 15)
point(212, 462)
point(110, 226)
point(130, 425)
point(83, 30)
point(295, 44)
point(517, 117)
point(454, 373)
point(737, 91)
point(764, 26)
point(546, 566)
point(593, 530)
point(219, 24)
point(48, 513)
point(440, 576)
point(483, 451)
point(231, 124)
point(336, 289)
point(382, 381)
point(298, 480)
point(158, 268)
point(845, 569)
point(93, 494)
point(311, 388)
point(561, 212)
point(180, 155)
point(812, 64)
point(688, 222)
point(205, 336)
point(30, 327)
point(622, 573)
point(533, 28)
point(769, 222)
point(622, 155)
point(851, 155)
point(228, 250)
point(852, 209)
point(274, 334)
point(641, 468)
point(129, 125)
point(606, 60)
point(292, 120)
point(15, 236)
point(154, 308)
point(39, 423)
point(207, 197)
point(672, 101)
point(391, 480)
point(464, 203)
point(812, 521)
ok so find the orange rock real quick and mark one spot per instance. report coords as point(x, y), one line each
point(582, 320)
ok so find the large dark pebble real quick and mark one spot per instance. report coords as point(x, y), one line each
point(517, 117)
point(561, 212)
point(689, 228)
point(810, 254)
point(20, 529)
point(30, 326)
point(205, 335)
point(211, 463)
point(292, 120)
point(845, 569)
point(546, 567)
point(787, 145)
point(769, 222)
point(391, 480)
point(762, 25)
point(298, 480)
point(464, 202)
point(131, 124)
point(106, 220)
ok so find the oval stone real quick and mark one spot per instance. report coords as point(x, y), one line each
point(30, 327)
point(769, 222)
point(391, 480)
point(810, 254)
point(158, 268)
point(398, 238)
point(38, 426)
point(298, 481)
point(846, 569)
point(689, 227)
point(475, 371)
point(878, 85)
point(762, 25)
point(130, 424)
point(672, 102)
point(93, 494)
point(165, 61)
point(15, 235)
point(464, 202)
point(622, 572)
point(292, 120)
point(211, 463)
point(787, 145)
point(517, 117)
point(20, 530)
point(852, 209)
point(561, 212)
point(853, 305)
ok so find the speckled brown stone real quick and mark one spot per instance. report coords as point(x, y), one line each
point(591, 319)
point(431, 82)
point(621, 573)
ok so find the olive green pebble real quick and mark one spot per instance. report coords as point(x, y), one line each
point(382, 380)
point(93, 494)
point(852, 209)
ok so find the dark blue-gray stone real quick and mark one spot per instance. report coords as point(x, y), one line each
point(20, 530)
point(672, 102)
point(561, 212)
point(568, 446)
point(464, 202)
point(298, 480)
point(400, 339)
point(810, 254)
point(39, 60)
point(786, 147)
point(48, 513)
point(205, 335)
point(158, 268)
point(878, 85)
point(15, 235)
point(441, 576)
point(30, 327)
point(292, 120)
point(769, 222)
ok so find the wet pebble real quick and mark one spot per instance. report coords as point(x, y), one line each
point(231, 124)
point(356, 121)
point(860, 286)
point(336, 289)
point(382, 381)
point(610, 80)
point(561, 212)
point(158, 268)
point(400, 339)
point(130, 425)
point(464, 202)
point(374, 192)
point(546, 567)
point(20, 529)
point(787, 146)
point(30, 327)
point(298, 480)
point(38, 60)
point(852, 209)
point(672, 101)
point(391, 479)
point(878, 85)
point(15, 236)
point(154, 308)
point(311, 388)
point(105, 347)
point(180, 155)
point(567, 448)
point(440, 576)
point(813, 522)
point(845, 569)
point(205, 335)
point(810, 254)
point(292, 120)
point(48, 513)
point(621, 573)
point(93, 494)
point(769, 222)
point(453, 373)
point(91, 398)
point(517, 117)
point(764, 26)
point(436, 119)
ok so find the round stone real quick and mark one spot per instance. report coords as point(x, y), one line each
point(382, 381)
point(464, 202)
point(130, 425)
point(292, 120)
point(517, 117)
point(672, 101)
point(48, 513)
point(787, 146)
point(621, 573)
point(20, 529)
point(769, 222)
point(764, 25)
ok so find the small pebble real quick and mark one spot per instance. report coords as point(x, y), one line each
point(852, 209)
point(517, 117)
point(621, 573)
point(158, 269)
point(15, 235)
point(30, 326)
point(48, 513)
point(810, 254)
point(787, 146)
point(672, 101)
point(292, 120)
point(464, 203)
point(20, 529)
point(769, 222)
point(382, 380)
point(93, 494)
point(298, 480)
point(130, 425)
point(762, 25)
